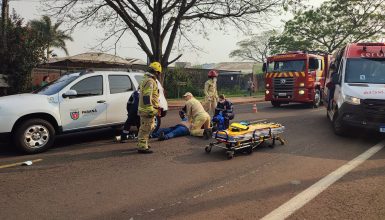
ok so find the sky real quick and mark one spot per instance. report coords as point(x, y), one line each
point(215, 49)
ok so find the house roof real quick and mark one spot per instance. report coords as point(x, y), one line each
point(3, 83)
point(94, 57)
point(244, 67)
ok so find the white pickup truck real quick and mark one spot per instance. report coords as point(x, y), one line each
point(75, 102)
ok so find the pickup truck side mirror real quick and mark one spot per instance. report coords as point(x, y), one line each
point(335, 78)
point(70, 93)
point(264, 67)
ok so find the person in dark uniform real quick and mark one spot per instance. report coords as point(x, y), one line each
point(133, 118)
point(225, 107)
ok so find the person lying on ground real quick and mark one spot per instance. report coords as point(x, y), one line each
point(181, 129)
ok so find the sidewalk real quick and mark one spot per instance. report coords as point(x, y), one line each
point(179, 103)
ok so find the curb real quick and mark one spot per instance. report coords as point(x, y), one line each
point(173, 107)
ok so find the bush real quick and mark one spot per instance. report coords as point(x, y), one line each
point(174, 89)
point(25, 51)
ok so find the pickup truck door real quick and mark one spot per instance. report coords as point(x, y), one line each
point(88, 108)
point(120, 88)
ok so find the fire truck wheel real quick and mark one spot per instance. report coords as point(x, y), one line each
point(275, 103)
point(317, 98)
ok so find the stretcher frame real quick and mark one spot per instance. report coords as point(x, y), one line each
point(231, 146)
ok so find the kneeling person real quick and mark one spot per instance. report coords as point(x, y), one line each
point(198, 117)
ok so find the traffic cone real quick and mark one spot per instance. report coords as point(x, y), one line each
point(255, 110)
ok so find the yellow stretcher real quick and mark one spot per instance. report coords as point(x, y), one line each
point(246, 136)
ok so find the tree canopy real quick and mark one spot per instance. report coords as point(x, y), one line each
point(256, 48)
point(50, 33)
point(25, 51)
point(156, 24)
point(333, 24)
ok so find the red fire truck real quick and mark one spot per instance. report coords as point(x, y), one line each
point(295, 77)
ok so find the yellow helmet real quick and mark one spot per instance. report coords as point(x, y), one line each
point(156, 67)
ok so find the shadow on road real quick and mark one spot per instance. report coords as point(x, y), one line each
point(65, 142)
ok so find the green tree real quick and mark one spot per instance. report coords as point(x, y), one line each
point(158, 24)
point(257, 48)
point(25, 51)
point(333, 24)
point(51, 34)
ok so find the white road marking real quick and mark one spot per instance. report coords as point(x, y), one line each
point(310, 193)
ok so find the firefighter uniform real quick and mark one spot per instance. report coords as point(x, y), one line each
point(211, 95)
point(148, 109)
point(197, 115)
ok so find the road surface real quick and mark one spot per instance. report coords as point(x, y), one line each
point(313, 176)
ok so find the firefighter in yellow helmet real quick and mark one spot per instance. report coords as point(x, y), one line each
point(210, 91)
point(148, 106)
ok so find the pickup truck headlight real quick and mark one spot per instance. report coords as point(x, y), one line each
point(352, 100)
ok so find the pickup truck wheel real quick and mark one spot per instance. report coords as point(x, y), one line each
point(34, 136)
point(157, 123)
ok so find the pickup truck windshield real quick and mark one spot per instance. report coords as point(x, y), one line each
point(287, 66)
point(362, 70)
point(57, 85)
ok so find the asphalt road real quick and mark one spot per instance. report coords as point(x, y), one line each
point(87, 176)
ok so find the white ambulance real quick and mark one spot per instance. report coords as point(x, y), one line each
point(355, 91)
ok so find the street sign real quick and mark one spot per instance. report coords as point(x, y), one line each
point(181, 83)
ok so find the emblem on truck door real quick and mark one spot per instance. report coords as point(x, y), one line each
point(283, 81)
point(74, 115)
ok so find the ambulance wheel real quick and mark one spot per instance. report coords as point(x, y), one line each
point(338, 127)
point(34, 136)
point(275, 104)
point(230, 154)
point(317, 98)
point(208, 149)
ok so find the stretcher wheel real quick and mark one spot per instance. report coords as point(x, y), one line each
point(208, 149)
point(250, 149)
point(272, 145)
point(230, 154)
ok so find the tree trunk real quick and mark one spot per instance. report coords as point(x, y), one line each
point(47, 52)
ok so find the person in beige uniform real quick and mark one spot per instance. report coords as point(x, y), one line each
point(198, 117)
point(211, 93)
